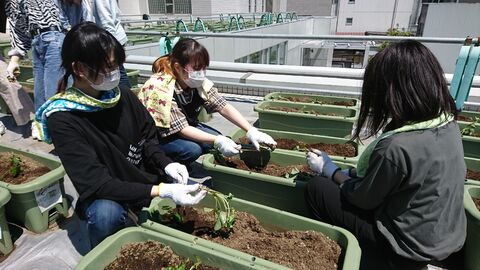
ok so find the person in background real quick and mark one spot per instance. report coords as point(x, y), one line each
point(106, 139)
point(174, 96)
point(404, 201)
point(38, 25)
point(12, 93)
point(107, 16)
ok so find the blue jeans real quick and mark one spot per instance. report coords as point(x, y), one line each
point(104, 218)
point(124, 81)
point(47, 60)
point(186, 151)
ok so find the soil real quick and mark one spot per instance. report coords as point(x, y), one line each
point(299, 110)
point(295, 249)
point(473, 175)
point(465, 118)
point(477, 203)
point(149, 255)
point(30, 169)
point(343, 150)
point(272, 169)
point(316, 101)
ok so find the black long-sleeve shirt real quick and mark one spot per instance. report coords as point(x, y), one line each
point(110, 154)
point(414, 184)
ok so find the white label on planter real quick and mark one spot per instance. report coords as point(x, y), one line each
point(48, 196)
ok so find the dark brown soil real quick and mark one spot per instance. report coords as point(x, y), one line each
point(473, 175)
point(273, 169)
point(149, 255)
point(299, 110)
point(343, 150)
point(30, 169)
point(477, 203)
point(465, 118)
point(295, 249)
point(316, 101)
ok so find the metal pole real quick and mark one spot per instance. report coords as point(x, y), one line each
point(394, 14)
point(312, 37)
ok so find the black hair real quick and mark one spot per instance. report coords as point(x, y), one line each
point(91, 45)
point(185, 51)
point(404, 84)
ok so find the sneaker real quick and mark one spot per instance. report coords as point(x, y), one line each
point(35, 132)
point(2, 128)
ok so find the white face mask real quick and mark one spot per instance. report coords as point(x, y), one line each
point(110, 81)
point(195, 78)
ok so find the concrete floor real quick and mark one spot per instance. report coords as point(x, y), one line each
point(62, 247)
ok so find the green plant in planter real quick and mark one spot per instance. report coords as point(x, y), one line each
point(16, 165)
point(469, 130)
point(224, 214)
point(183, 266)
point(219, 158)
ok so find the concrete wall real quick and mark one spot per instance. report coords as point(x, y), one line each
point(451, 20)
point(202, 7)
point(128, 7)
point(373, 15)
point(229, 6)
point(310, 7)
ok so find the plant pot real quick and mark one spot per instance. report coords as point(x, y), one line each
point(307, 138)
point(339, 125)
point(107, 250)
point(6, 245)
point(471, 144)
point(467, 116)
point(472, 244)
point(270, 218)
point(473, 164)
point(24, 207)
point(316, 99)
point(285, 194)
point(133, 76)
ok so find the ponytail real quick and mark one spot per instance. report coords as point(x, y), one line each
point(62, 83)
point(163, 64)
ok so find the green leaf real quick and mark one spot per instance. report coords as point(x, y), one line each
point(218, 225)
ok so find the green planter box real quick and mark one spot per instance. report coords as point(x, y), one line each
point(319, 99)
point(469, 115)
point(6, 245)
point(106, 252)
point(471, 144)
point(307, 138)
point(133, 76)
point(472, 244)
point(285, 194)
point(29, 199)
point(473, 164)
point(335, 126)
point(271, 218)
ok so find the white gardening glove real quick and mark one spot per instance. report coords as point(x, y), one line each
point(258, 137)
point(321, 163)
point(13, 68)
point(180, 194)
point(178, 172)
point(226, 146)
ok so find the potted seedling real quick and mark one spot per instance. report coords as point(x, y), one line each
point(312, 99)
point(470, 138)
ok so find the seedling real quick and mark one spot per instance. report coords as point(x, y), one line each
point(224, 214)
point(15, 163)
point(217, 155)
point(183, 265)
point(469, 130)
point(173, 213)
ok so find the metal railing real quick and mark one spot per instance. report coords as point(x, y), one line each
point(312, 37)
point(344, 73)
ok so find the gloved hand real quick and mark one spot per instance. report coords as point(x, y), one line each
point(180, 193)
point(13, 69)
point(257, 137)
point(321, 163)
point(178, 172)
point(226, 146)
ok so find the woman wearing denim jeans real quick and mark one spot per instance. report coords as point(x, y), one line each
point(40, 26)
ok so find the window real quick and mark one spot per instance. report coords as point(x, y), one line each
point(282, 47)
point(169, 6)
point(183, 6)
point(255, 58)
point(273, 57)
point(351, 1)
point(156, 6)
point(349, 21)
